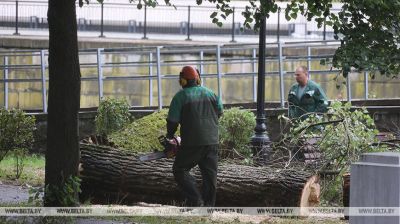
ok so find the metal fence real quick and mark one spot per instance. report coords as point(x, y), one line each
point(148, 76)
point(183, 20)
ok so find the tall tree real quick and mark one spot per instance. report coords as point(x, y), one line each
point(62, 154)
point(369, 31)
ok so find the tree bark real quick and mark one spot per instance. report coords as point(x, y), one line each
point(62, 154)
point(117, 176)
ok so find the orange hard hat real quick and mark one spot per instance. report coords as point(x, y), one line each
point(189, 73)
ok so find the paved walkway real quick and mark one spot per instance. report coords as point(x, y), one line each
point(29, 38)
point(162, 38)
point(13, 194)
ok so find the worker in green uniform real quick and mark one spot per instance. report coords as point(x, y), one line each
point(196, 109)
point(305, 96)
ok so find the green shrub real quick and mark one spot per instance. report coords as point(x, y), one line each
point(19, 156)
point(112, 115)
point(142, 134)
point(236, 127)
point(66, 195)
point(16, 131)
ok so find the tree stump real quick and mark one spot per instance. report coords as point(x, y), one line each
point(112, 175)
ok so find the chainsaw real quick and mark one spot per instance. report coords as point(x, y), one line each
point(171, 147)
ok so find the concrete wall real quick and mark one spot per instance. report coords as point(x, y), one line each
point(386, 114)
point(375, 181)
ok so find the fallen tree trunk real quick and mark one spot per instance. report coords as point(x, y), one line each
point(117, 176)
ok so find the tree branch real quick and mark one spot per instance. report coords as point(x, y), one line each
point(317, 124)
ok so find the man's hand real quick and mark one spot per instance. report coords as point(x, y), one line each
point(173, 147)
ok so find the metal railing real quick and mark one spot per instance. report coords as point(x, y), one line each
point(153, 68)
point(185, 20)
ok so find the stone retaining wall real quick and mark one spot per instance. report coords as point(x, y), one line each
point(386, 114)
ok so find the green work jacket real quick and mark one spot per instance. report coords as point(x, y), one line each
point(312, 100)
point(197, 110)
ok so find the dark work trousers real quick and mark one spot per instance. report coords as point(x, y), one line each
point(207, 159)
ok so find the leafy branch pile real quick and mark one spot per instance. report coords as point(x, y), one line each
point(142, 134)
point(340, 137)
point(344, 142)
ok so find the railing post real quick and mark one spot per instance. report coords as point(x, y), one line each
point(278, 29)
point(219, 71)
point(309, 61)
point(201, 68)
point(100, 73)
point(43, 74)
point(233, 25)
point(151, 79)
point(5, 82)
point(254, 65)
point(145, 23)
point(159, 90)
point(366, 90)
point(16, 18)
point(188, 25)
point(324, 38)
point(348, 87)
point(281, 73)
point(102, 20)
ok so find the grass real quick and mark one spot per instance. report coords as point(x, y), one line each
point(16, 204)
point(32, 174)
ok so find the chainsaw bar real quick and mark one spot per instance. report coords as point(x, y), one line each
point(152, 156)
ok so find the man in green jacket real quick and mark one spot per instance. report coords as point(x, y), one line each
point(306, 96)
point(197, 110)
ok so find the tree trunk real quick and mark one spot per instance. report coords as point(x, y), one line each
point(62, 154)
point(117, 176)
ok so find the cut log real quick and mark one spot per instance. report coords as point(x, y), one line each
point(117, 176)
